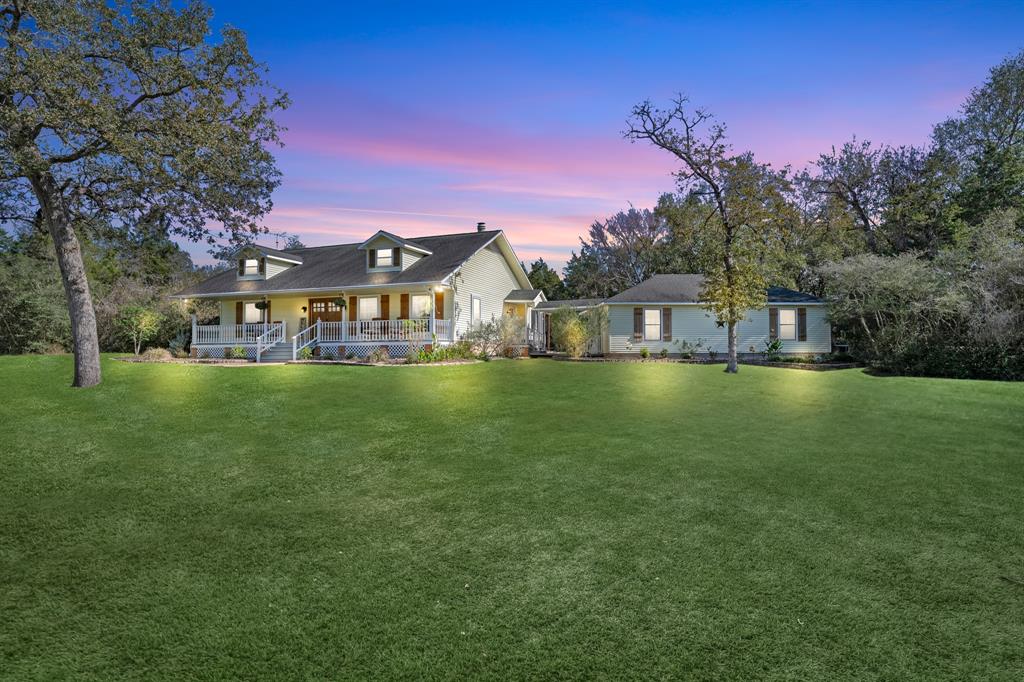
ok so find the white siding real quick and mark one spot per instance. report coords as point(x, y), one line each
point(409, 258)
point(694, 323)
point(488, 275)
point(276, 267)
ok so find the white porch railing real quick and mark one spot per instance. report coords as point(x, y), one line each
point(422, 330)
point(274, 335)
point(225, 334)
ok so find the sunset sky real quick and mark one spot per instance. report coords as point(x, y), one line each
point(424, 119)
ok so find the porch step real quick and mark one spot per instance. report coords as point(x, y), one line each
point(279, 353)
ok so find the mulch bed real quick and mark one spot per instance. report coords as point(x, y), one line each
point(399, 362)
point(185, 361)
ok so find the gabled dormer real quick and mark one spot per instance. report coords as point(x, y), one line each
point(386, 252)
point(260, 262)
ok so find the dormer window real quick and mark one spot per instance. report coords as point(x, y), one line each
point(249, 266)
point(385, 258)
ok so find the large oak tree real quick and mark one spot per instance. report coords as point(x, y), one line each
point(127, 114)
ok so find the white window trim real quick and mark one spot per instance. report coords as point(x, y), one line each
point(413, 313)
point(475, 321)
point(251, 305)
point(250, 270)
point(391, 260)
point(792, 325)
point(359, 307)
point(646, 324)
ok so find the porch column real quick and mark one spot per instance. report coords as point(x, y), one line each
point(194, 325)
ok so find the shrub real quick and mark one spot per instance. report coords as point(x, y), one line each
point(177, 345)
point(306, 353)
point(350, 355)
point(686, 349)
point(236, 353)
point(138, 324)
point(712, 354)
point(772, 350)
point(502, 336)
point(379, 354)
point(157, 355)
point(663, 353)
point(644, 353)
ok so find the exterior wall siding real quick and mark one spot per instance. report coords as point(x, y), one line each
point(488, 275)
point(276, 267)
point(694, 323)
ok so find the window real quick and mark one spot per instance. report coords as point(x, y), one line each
point(475, 312)
point(385, 258)
point(369, 307)
point(250, 266)
point(787, 324)
point(252, 313)
point(652, 325)
point(419, 306)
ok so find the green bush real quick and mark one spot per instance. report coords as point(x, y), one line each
point(772, 350)
point(663, 353)
point(644, 353)
point(236, 353)
point(306, 353)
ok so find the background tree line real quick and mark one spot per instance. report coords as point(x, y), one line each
point(917, 249)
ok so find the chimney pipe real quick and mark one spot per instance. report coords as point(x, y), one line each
point(480, 227)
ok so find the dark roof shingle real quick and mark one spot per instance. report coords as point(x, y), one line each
point(344, 265)
point(686, 289)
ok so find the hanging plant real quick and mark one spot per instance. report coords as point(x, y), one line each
point(340, 301)
point(261, 305)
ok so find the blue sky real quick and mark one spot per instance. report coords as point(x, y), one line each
point(425, 118)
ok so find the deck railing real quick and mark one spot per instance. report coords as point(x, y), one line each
point(274, 335)
point(361, 331)
point(225, 334)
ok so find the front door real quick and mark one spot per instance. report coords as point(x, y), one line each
point(324, 309)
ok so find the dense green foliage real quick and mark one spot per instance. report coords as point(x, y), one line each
point(861, 225)
point(137, 273)
point(498, 520)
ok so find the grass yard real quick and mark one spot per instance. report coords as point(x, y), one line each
point(508, 519)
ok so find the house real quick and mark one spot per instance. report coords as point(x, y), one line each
point(665, 312)
point(388, 291)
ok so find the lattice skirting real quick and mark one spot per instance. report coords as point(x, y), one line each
point(340, 351)
point(220, 352)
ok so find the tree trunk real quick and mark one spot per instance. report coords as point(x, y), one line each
point(732, 366)
point(84, 339)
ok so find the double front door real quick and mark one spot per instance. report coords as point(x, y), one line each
point(324, 309)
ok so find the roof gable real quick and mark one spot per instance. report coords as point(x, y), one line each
point(396, 240)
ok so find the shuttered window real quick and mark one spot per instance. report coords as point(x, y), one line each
point(252, 313)
point(420, 306)
point(652, 324)
point(249, 266)
point(787, 324)
point(369, 307)
point(385, 258)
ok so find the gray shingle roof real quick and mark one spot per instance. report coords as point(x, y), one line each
point(267, 251)
point(522, 294)
point(686, 289)
point(344, 265)
point(570, 303)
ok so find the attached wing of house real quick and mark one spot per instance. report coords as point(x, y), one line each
point(354, 298)
point(666, 312)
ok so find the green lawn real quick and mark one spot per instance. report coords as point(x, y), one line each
point(506, 519)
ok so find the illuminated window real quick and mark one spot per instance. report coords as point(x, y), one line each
point(385, 258)
point(252, 314)
point(475, 312)
point(419, 306)
point(787, 324)
point(369, 307)
point(652, 325)
point(250, 266)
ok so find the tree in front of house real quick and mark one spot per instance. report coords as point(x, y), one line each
point(543, 276)
point(124, 115)
point(139, 324)
point(745, 204)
